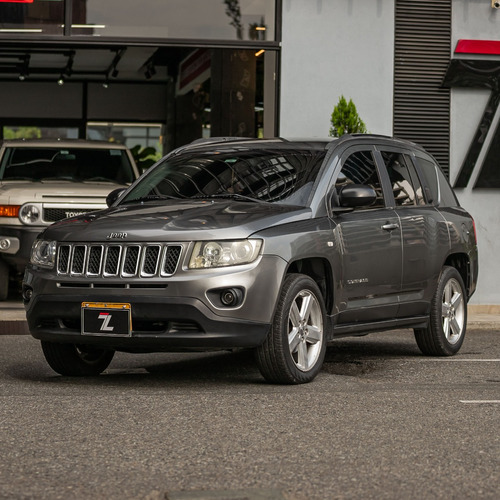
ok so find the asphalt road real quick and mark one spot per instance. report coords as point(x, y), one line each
point(380, 422)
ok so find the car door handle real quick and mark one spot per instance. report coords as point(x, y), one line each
point(390, 227)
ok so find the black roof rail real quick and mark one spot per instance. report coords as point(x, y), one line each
point(209, 140)
point(347, 137)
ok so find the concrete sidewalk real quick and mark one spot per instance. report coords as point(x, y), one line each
point(13, 318)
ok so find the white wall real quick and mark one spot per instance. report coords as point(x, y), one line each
point(476, 20)
point(335, 47)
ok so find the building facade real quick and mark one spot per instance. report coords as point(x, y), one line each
point(182, 69)
point(423, 70)
point(163, 73)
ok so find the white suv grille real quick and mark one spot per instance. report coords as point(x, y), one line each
point(57, 214)
point(118, 260)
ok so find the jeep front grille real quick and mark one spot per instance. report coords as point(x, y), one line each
point(118, 260)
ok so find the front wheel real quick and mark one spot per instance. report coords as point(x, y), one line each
point(295, 347)
point(448, 321)
point(76, 360)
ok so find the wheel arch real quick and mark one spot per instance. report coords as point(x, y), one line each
point(318, 269)
point(461, 262)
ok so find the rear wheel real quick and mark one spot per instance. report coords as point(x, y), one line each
point(4, 280)
point(76, 360)
point(446, 331)
point(295, 347)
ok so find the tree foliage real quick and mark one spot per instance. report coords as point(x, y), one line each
point(345, 119)
point(22, 133)
point(144, 157)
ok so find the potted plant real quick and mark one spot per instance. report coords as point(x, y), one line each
point(345, 119)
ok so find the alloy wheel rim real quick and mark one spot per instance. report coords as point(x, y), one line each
point(453, 311)
point(305, 330)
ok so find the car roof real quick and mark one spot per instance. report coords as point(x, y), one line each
point(296, 143)
point(247, 144)
point(55, 143)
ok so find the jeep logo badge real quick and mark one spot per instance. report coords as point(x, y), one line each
point(116, 236)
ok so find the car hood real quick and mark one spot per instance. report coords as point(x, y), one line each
point(176, 221)
point(18, 192)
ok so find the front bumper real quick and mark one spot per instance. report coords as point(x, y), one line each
point(159, 325)
point(21, 238)
point(177, 316)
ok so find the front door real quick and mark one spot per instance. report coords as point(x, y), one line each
point(370, 243)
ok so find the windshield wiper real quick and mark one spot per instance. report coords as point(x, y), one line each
point(151, 197)
point(233, 196)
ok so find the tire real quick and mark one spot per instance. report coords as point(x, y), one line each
point(448, 320)
point(4, 280)
point(76, 360)
point(295, 347)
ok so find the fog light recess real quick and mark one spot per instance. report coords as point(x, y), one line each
point(27, 293)
point(226, 297)
point(229, 297)
point(5, 244)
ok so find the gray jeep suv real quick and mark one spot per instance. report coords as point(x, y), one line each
point(276, 245)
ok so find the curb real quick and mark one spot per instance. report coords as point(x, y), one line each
point(13, 327)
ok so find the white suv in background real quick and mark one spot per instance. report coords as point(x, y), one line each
point(42, 182)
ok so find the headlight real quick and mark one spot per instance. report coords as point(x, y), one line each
point(224, 253)
point(43, 253)
point(29, 214)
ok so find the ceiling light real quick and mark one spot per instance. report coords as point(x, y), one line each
point(89, 26)
point(21, 30)
point(60, 81)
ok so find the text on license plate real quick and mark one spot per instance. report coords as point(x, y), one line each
point(106, 318)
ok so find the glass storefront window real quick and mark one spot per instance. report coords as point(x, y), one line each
point(35, 132)
point(32, 16)
point(143, 139)
point(186, 19)
point(145, 135)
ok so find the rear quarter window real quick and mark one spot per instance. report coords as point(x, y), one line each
point(440, 190)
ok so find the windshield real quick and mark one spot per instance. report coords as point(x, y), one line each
point(66, 164)
point(256, 175)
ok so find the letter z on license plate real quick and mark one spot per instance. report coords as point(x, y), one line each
point(106, 318)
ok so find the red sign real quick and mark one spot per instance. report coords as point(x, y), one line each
point(478, 47)
point(16, 1)
point(193, 70)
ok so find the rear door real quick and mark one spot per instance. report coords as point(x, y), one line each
point(369, 242)
point(424, 232)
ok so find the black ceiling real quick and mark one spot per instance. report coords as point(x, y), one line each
point(122, 63)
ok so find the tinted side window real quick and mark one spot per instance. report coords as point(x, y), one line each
point(359, 168)
point(406, 187)
point(440, 189)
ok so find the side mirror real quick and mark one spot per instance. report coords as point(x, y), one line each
point(114, 195)
point(357, 195)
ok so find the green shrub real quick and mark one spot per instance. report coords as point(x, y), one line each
point(345, 119)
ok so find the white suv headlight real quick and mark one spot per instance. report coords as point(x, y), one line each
point(30, 214)
point(224, 253)
point(43, 253)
